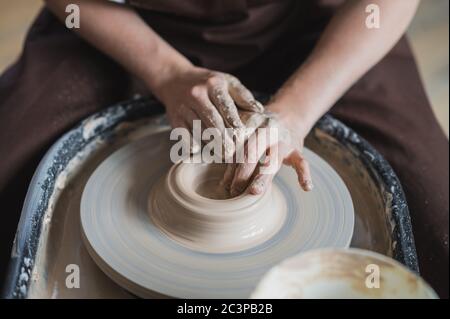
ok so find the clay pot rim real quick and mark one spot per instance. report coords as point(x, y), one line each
point(190, 199)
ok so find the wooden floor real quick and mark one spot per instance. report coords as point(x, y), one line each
point(428, 33)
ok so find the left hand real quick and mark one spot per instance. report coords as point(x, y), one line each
point(286, 148)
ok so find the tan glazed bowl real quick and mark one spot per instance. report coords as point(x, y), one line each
point(342, 274)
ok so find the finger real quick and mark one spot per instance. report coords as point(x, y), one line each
point(301, 166)
point(221, 98)
point(188, 143)
point(242, 96)
point(252, 120)
point(260, 183)
point(211, 118)
point(228, 176)
point(262, 180)
point(255, 148)
point(207, 112)
point(177, 123)
point(189, 117)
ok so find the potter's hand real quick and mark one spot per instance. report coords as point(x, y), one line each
point(214, 98)
point(272, 150)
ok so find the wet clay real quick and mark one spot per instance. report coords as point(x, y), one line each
point(192, 207)
point(61, 240)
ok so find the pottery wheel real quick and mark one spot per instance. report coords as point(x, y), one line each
point(150, 226)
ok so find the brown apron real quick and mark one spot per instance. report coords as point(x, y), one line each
point(59, 79)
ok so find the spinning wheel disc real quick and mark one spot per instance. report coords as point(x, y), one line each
point(134, 252)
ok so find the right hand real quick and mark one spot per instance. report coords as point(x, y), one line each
point(213, 97)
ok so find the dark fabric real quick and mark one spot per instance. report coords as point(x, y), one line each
point(59, 80)
point(220, 34)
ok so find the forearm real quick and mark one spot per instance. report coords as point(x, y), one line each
point(120, 33)
point(346, 50)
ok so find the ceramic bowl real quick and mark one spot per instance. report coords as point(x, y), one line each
point(342, 274)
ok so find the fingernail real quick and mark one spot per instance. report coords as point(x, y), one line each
point(257, 105)
point(307, 185)
point(257, 187)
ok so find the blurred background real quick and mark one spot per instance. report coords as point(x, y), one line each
point(428, 34)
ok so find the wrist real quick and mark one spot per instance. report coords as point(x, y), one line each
point(160, 73)
point(298, 122)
